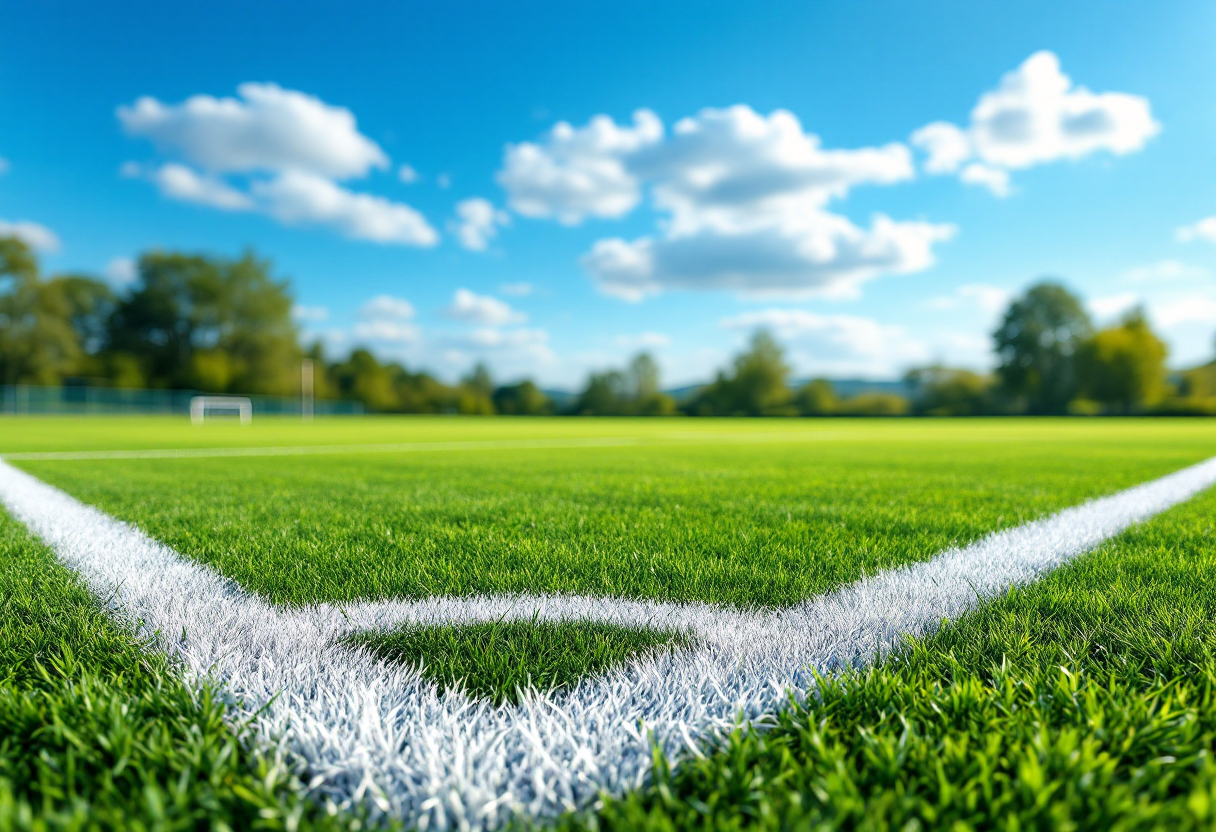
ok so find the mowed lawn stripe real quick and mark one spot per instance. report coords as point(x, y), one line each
point(746, 525)
point(442, 760)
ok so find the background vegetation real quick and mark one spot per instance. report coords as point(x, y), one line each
point(193, 321)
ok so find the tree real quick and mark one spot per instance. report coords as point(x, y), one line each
point(757, 387)
point(816, 398)
point(523, 399)
point(605, 395)
point(1036, 345)
point(1123, 366)
point(946, 391)
point(208, 322)
point(38, 344)
point(474, 397)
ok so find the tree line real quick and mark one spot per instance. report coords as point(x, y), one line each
point(222, 325)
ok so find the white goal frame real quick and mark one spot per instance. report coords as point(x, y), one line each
point(200, 404)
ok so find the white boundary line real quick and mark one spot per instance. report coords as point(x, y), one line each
point(371, 732)
point(674, 437)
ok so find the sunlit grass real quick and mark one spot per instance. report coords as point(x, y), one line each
point(499, 660)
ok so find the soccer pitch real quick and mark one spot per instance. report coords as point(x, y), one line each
point(607, 623)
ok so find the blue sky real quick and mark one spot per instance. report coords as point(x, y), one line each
point(583, 179)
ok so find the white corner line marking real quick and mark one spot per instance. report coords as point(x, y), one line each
point(371, 732)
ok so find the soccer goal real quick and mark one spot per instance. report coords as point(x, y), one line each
point(200, 406)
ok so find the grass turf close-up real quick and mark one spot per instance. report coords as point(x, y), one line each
point(1080, 701)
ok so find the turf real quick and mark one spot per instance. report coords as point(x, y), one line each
point(1087, 701)
point(98, 732)
point(716, 517)
point(499, 660)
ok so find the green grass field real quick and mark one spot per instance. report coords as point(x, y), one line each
point(1082, 701)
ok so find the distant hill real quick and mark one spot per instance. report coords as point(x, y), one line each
point(846, 388)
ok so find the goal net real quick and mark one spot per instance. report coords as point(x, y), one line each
point(202, 406)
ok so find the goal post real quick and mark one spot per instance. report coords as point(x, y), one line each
point(200, 405)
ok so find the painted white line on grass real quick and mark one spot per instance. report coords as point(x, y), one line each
point(369, 731)
point(678, 437)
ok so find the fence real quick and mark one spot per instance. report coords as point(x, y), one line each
point(23, 399)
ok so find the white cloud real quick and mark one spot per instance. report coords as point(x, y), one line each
point(386, 332)
point(473, 308)
point(1167, 270)
point(487, 337)
point(267, 128)
point(1035, 116)
point(517, 289)
point(1112, 306)
point(994, 179)
point(990, 299)
point(840, 345)
point(1185, 310)
point(122, 271)
point(745, 197)
point(795, 255)
point(477, 223)
point(643, 340)
point(575, 173)
point(310, 314)
point(304, 144)
point(387, 307)
point(1205, 229)
point(35, 235)
point(407, 174)
point(182, 183)
point(444, 180)
point(298, 198)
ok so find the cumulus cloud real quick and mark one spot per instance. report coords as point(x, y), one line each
point(837, 344)
point(643, 340)
point(35, 235)
point(990, 299)
point(386, 320)
point(310, 314)
point(267, 128)
point(745, 197)
point(289, 151)
point(407, 174)
point(1112, 306)
point(1205, 229)
point(187, 185)
point(1165, 270)
point(122, 271)
point(517, 289)
point(813, 254)
point(387, 307)
point(477, 222)
point(298, 198)
point(575, 173)
point(1035, 116)
point(472, 308)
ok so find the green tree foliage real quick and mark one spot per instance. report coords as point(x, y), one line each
point(816, 398)
point(757, 386)
point(475, 394)
point(523, 399)
point(1037, 343)
point(875, 403)
point(1123, 367)
point(946, 391)
point(631, 392)
point(49, 328)
point(211, 323)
